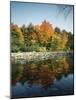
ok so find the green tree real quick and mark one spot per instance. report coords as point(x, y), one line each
point(57, 30)
point(15, 43)
point(70, 43)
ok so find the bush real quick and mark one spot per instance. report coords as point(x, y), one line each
point(15, 48)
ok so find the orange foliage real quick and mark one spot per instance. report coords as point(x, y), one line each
point(47, 28)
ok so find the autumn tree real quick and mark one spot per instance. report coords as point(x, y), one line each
point(40, 38)
point(46, 31)
point(17, 38)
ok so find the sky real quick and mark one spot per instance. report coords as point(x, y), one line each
point(25, 13)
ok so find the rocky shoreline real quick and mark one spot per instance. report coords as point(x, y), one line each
point(22, 57)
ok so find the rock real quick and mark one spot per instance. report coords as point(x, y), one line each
point(30, 56)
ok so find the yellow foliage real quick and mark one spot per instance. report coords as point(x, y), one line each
point(42, 49)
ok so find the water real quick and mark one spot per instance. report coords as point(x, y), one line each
point(43, 78)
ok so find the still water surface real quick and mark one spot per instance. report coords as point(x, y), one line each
point(43, 78)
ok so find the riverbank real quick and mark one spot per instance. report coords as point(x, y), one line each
point(22, 57)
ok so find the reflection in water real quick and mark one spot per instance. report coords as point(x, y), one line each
point(43, 78)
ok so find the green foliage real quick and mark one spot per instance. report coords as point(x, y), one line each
point(39, 41)
point(57, 30)
point(70, 43)
point(54, 45)
point(15, 48)
point(15, 42)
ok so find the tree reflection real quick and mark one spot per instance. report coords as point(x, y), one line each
point(43, 72)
